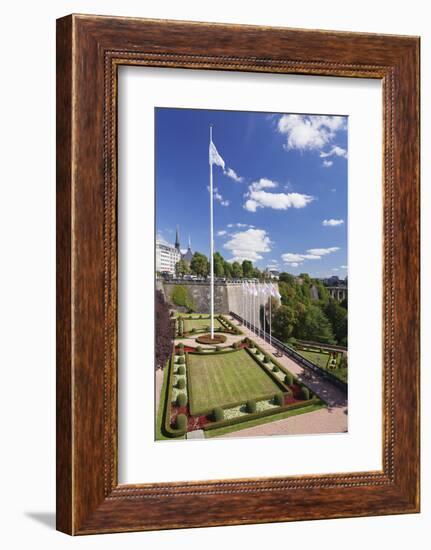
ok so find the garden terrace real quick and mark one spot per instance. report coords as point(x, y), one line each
point(226, 379)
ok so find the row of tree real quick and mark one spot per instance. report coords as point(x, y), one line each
point(200, 267)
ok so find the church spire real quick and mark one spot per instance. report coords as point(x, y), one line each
point(177, 239)
point(190, 242)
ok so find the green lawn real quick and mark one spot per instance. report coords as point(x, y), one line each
point(223, 379)
point(200, 324)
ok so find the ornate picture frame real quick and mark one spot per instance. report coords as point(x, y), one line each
point(89, 51)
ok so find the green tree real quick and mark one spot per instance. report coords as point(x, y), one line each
point(284, 321)
point(286, 278)
point(199, 264)
point(247, 269)
point(236, 270)
point(227, 269)
point(337, 316)
point(313, 325)
point(182, 268)
point(218, 265)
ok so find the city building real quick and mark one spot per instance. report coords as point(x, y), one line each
point(167, 257)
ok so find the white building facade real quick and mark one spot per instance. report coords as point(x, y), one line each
point(166, 258)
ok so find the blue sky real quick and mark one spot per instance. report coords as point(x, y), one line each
point(281, 199)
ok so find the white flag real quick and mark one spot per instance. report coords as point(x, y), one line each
point(214, 156)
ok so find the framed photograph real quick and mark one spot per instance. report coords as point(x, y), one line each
point(237, 274)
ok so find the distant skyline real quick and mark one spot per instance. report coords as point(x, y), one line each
point(280, 201)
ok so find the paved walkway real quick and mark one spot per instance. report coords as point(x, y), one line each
point(159, 383)
point(322, 421)
point(332, 395)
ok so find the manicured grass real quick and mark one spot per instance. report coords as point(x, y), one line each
point(219, 380)
point(319, 359)
point(217, 432)
point(199, 324)
point(322, 361)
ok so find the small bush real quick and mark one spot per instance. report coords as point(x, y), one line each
point(181, 422)
point(266, 359)
point(181, 384)
point(181, 345)
point(181, 352)
point(193, 330)
point(256, 351)
point(218, 414)
point(199, 348)
point(236, 345)
point(218, 348)
point(181, 400)
point(278, 399)
point(251, 406)
point(275, 368)
point(305, 393)
point(182, 369)
point(181, 360)
point(288, 379)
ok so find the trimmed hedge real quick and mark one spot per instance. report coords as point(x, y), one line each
point(181, 423)
point(262, 414)
point(181, 400)
point(269, 372)
point(288, 379)
point(251, 406)
point(199, 349)
point(181, 369)
point(275, 368)
point(168, 430)
point(267, 360)
point(305, 393)
point(218, 414)
point(181, 351)
point(181, 360)
point(181, 384)
point(279, 399)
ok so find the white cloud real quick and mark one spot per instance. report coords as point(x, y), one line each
point(335, 150)
point(335, 269)
point(221, 233)
point(263, 183)
point(309, 132)
point(343, 266)
point(323, 251)
point(230, 173)
point(230, 225)
point(332, 222)
point(327, 163)
point(294, 259)
point(218, 197)
point(248, 245)
point(161, 239)
point(277, 201)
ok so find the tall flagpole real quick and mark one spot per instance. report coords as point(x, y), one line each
point(270, 316)
point(264, 312)
point(211, 241)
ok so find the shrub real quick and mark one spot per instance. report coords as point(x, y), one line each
point(181, 360)
point(279, 399)
point(193, 330)
point(218, 348)
point(218, 414)
point(182, 369)
point(180, 352)
point(181, 400)
point(181, 384)
point(181, 297)
point(251, 406)
point(256, 351)
point(181, 422)
point(305, 393)
point(266, 360)
point(199, 348)
point(236, 345)
point(275, 368)
point(181, 345)
point(288, 379)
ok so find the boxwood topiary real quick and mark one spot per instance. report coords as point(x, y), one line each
point(251, 406)
point(279, 399)
point(181, 423)
point(305, 393)
point(181, 384)
point(288, 379)
point(180, 351)
point(218, 348)
point(218, 414)
point(181, 400)
point(181, 345)
point(181, 369)
point(256, 351)
point(181, 360)
point(266, 360)
point(275, 368)
point(199, 348)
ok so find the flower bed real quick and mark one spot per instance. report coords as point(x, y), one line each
point(206, 339)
